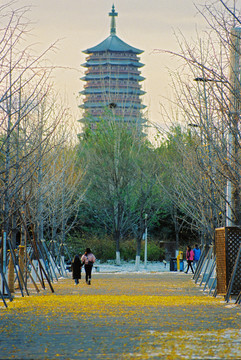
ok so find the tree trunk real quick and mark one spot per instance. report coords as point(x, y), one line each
point(118, 258)
point(117, 242)
point(138, 253)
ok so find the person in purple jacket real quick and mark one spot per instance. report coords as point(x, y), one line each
point(88, 260)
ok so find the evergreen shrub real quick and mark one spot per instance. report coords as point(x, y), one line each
point(104, 248)
point(128, 250)
point(154, 252)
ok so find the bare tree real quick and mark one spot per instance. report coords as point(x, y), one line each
point(63, 188)
point(23, 83)
point(207, 98)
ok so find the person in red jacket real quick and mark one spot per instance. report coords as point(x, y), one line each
point(189, 257)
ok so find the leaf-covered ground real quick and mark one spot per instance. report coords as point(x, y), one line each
point(121, 316)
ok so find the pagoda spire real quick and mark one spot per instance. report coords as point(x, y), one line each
point(113, 14)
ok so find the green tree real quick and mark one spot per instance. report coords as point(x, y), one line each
point(119, 167)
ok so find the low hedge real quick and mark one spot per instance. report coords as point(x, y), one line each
point(105, 249)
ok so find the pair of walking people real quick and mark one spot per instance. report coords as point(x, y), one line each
point(87, 260)
point(192, 256)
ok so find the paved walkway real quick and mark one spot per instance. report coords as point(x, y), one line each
point(121, 316)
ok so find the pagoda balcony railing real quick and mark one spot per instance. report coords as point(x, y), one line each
point(113, 56)
point(120, 91)
point(112, 84)
point(102, 112)
point(118, 110)
point(105, 70)
point(112, 98)
point(110, 68)
point(113, 95)
point(95, 83)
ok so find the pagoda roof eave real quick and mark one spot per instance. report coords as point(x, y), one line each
point(88, 77)
point(102, 104)
point(132, 91)
point(112, 62)
point(112, 43)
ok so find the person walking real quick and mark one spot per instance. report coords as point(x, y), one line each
point(76, 266)
point(88, 260)
point(197, 254)
point(189, 257)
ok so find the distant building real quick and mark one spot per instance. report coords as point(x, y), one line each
point(113, 81)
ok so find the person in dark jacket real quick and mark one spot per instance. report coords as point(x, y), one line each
point(76, 269)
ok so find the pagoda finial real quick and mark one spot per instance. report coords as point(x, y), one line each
point(113, 14)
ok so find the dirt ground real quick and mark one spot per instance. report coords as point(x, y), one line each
point(121, 316)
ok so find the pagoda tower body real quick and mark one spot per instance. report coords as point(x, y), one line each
point(113, 81)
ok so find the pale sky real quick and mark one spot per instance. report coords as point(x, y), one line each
point(80, 24)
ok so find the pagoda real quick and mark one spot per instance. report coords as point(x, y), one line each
point(113, 79)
